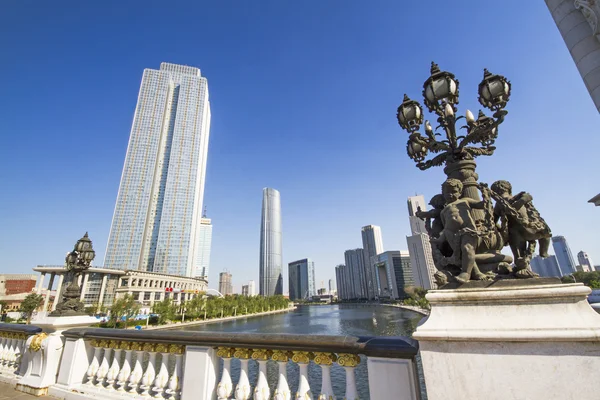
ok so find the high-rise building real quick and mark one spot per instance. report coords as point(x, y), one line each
point(546, 267)
point(393, 274)
point(204, 239)
point(301, 275)
point(563, 254)
point(270, 268)
point(225, 284)
point(158, 208)
point(421, 260)
point(585, 261)
point(356, 274)
point(417, 225)
point(251, 288)
point(342, 278)
point(372, 245)
point(330, 285)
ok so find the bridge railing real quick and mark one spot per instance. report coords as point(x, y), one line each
point(200, 365)
point(13, 339)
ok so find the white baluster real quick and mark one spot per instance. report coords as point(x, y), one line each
point(349, 362)
point(115, 368)
point(325, 360)
point(3, 342)
point(174, 386)
point(242, 389)
point(10, 354)
point(7, 354)
point(137, 372)
point(302, 358)
point(150, 373)
point(282, 392)
point(225, 386)
point(104, 365)
point(262, 391)
point(162, 378)
point(19, 345)
point(95, 364)
point(126, 368)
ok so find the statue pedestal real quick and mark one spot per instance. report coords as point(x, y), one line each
point(532, 339)
point(43, 352)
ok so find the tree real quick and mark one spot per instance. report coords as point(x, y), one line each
point(125, 306)
point(165, 309)
point(30, 304)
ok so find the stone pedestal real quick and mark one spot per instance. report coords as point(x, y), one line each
point(44, 352)
point(511, 340)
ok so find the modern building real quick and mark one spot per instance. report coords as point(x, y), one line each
point(342, 280)
point(100, 286)
point(546, 267)
point(585, 261)
point(372, 245)
point(271, 264)
point(17, 283)
point(249, 289)
point(331, 287)
point(302, 283)
point(421, 261)
point(159, 204)
point(393, 274)
point(417, 225)
point(563, 255)
point(356, 278)
point(225, 284)
point(577, 22)
point(203, 243)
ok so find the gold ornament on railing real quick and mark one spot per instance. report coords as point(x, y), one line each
point(162, 348)
point(176, 349)
point(302, 357)
point(261, 354)
point(325, 358)
point(36, 342)
point(280, 355)
point(137, 346)
point(113, 344)
point(225, 352)
point(348, 360)
point(149, 347)
point(103, 344)
point(242, 353)
point(125, 345)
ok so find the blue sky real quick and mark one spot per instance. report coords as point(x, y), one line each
point(303, 98)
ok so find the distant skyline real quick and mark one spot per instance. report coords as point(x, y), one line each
point(303, 99)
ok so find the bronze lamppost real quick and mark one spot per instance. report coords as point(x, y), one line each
point(76, 262)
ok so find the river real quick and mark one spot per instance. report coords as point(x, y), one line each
point(358, 320)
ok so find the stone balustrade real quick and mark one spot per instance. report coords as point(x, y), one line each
point(109, 363)
point(13, 340)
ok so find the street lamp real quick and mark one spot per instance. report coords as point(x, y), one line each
point(76, 262)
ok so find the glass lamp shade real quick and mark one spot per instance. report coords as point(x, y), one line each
point(440, 87)
point(410, 114)
point(71, 258)
point(89, 255)
point(494, 91)
point(416, 150)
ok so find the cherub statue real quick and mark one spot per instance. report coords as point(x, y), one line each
point(433, 222)
point(522, 224)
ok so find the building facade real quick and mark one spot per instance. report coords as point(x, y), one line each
point(577, 22)
point(249, 289)
point(225, 284)
point(356, 274)
point(546, 267)
point(302, 283)
point(417, 225)
point(203, 244)
point(341, 278)
point(421, 261)
point(271, 264)
point(372, 245)
point(159, 204)
point(585, 261)
point(393, 273)
point(563, 255)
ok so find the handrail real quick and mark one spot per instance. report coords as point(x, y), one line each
point(390, 346)
point(17, 328)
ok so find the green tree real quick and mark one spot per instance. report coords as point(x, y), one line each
point(126, 307)
point(165, 309)
point(31, 303)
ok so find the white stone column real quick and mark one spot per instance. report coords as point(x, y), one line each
point(84, 285)
point(40, 283)
point(201, 384)
point(61, 278)
point(578, 23)
point(47, 299)
point(102, 289)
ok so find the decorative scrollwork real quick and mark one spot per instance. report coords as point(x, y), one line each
point(125, 345)
point(161, 348)
point(348, 360)
point(302, 357)
point(280, 356)
point(325, 358)
point(242, 353)
point(113, 344)
point(36, 342)
point(103, 344)
point(149, 347)
point(137, 346)
point(176, 349)
point(261, 354)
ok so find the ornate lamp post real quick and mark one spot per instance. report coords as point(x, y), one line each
point(76, 261)
point(440, 95)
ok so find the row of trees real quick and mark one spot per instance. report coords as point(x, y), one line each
point(591, 279)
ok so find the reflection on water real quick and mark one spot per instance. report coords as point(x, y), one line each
point(358, 320)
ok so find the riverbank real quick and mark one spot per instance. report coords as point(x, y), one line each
point(419, 310)
point(178, 325)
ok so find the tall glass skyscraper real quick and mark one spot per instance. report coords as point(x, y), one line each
point(301, 276)
point(563, 255)
point(159, 205)
point(270, 268)
point(372, 245)
point(203, 243)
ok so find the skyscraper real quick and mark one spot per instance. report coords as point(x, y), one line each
point(342, 281)
point(270, 268)
point(393, 274)
point(158, 208)
point(417, 225)
point(546, 267)
point(301, 275)
point(204, 239)
point(563, 254)
point(355, 274)
point(372, 245)
point(585, 261)
point(225, 284)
